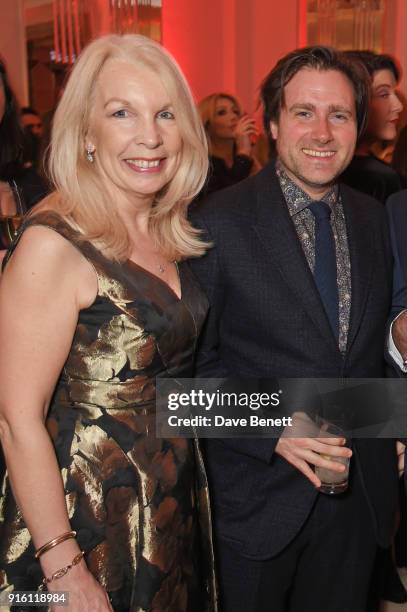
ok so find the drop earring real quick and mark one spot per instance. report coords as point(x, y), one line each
point(90, 154)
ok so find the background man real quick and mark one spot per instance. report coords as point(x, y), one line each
point(32, 121)
point(299, 284)
point(33, 132)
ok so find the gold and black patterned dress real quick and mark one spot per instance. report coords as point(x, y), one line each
point(139, 504)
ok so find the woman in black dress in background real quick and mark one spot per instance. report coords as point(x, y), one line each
point(231, 135)
point(96, 302)
point(367, 172)
point(20, 187)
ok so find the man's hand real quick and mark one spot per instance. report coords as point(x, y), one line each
point(400, 447)
point(305, 452)
point(399, 333)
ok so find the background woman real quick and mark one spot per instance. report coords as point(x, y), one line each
point(93, 307)
point(231, 135)
point(20, 187)
point(367, 172)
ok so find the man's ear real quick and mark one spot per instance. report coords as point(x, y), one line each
point(274, 130)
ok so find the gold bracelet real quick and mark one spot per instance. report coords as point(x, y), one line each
point(46, 547)
point(61, 572)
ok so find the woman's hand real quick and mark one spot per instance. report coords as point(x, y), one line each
point(245, 133)
point(84, 592)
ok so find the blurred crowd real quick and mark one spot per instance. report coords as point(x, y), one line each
point(238, 147)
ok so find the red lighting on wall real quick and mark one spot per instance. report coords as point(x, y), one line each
point(302, 23)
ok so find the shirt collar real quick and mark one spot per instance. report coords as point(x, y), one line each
point(296, 197)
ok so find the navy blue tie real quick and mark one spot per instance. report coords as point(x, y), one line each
point(325, 262)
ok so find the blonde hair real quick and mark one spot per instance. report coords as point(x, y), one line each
point(207, 106)
point(80, 196)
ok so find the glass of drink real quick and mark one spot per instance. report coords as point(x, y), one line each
point(332, 482)
point(12, 215)
point(9, 225)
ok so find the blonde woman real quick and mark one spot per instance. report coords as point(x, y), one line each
point(95, 303)
point(231, 135)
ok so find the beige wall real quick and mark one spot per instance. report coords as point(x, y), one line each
point(12, 46)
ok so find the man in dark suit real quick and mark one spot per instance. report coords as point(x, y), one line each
point(299, 283)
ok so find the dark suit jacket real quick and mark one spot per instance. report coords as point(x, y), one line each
point(372, 176)
point(267, 320)
point(397, 216)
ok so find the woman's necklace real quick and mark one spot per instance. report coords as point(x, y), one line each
point(163, 268)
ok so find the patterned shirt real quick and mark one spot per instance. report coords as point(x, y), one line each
point(304, 221)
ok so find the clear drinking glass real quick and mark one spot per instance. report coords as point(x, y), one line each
point(332, 482)
point(13, 211)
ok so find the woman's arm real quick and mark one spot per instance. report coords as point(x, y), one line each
point(45, 284)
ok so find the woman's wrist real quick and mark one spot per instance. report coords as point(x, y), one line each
point(63, 571)
point(59, 557)
point(67, 535)
point(243, 162)
point(243, 156)
point(244, 149)
point(71, 579)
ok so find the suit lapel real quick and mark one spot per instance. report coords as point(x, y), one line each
point(278, 236)
point(361, 258)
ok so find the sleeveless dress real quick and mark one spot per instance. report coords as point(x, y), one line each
point(139, 504)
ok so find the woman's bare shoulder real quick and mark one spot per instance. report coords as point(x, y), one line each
point(44, 256)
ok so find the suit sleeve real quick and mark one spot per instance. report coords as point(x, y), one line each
point(209, 363)
point(397, 218)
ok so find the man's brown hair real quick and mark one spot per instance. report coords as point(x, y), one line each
point(314, 58)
